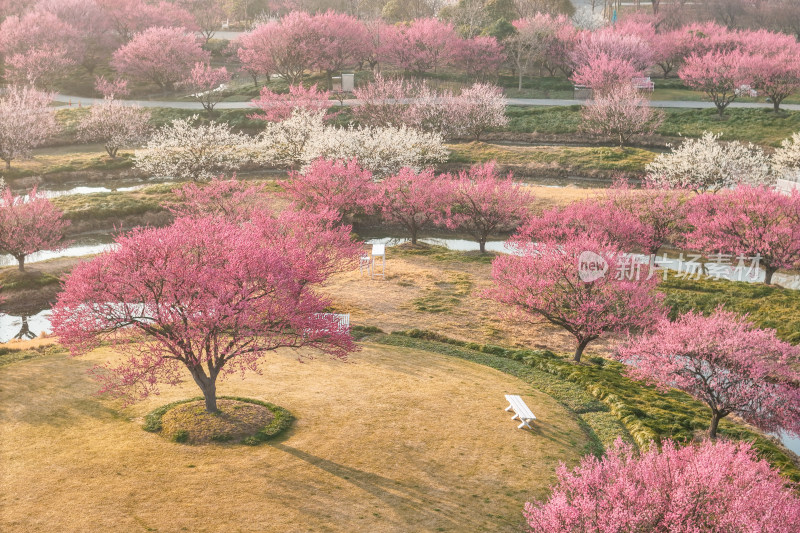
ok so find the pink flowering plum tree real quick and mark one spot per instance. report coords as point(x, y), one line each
point(725, 362)
point(605, 58)
point(580, 285)
point(164, 56)
point(423, 46)
point(604, 74)
point(343, 188)
point(29, 224)
point(135, 16)
point(277, 107)
point(231, 199)
point(38, 47)
point(26, 121)
point(286, 47)
point(480, 57)
point(712, 486)
point(207, 84)
point(252, 51)
point(114, 124)
point(533, 40)
point(669, 50)
point(750, 222)
point(718, 74)
point(478, 109)
point(487, 203)
point(593, 217)
point(111, 89)
point(416, 200)
point(620, 114)
point(341, 41)
point(382, 102)
point(94, 36)
point(777, 75)
point(662, 214)
point(207, 296)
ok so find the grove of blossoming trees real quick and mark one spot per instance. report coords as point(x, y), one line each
point(238, 272)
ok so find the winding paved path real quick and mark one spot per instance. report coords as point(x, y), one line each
point(674, 104)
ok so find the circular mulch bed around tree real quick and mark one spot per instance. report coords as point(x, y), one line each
point(238, 420)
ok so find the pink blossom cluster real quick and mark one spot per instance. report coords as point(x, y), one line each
point(479, 201)
point(712, 487)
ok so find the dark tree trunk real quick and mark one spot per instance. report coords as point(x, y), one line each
point(21, 260)
point(414, 237)
point(715, 418)
point(482, 244)
point(776, 106)
point(209, 388)
point(210, 395)
point(8, 164)
point(768, 272)
point(579, 350)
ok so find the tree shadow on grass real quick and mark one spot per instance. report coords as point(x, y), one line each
point(421, 506)
point(52, 391)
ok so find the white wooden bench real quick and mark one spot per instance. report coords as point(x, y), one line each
point(643, 84)
point(334, 323)
point(521, 411)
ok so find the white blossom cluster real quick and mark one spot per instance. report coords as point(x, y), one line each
point(303, 137)
point(186, 151)
point(786, 159)
point(115, 125)
point(705, 164)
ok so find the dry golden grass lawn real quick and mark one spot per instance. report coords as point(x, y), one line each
point(395, 440)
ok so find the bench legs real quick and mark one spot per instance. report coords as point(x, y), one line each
point(516, 417)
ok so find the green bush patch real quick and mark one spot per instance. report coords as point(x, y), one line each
point(768, 307)
point(238, 420)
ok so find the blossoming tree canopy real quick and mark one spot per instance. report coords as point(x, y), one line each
point(487, 203)
point(26, 121)
point(232, 199)
point(342, 187)
point(726, 362)
point(205, 294)
point(29, 224)
point(751, 222)
point(714, 486)
point(582, 285)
